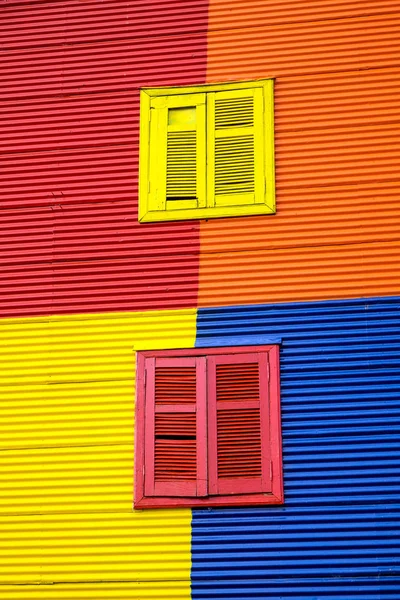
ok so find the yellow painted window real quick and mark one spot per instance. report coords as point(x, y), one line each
point(206, 152)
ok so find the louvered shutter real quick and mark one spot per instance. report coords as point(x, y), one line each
point(235, 148)
point(177, 165)
point(238, 424)
point(175, 427)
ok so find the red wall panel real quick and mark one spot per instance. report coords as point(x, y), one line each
point(69, 112)
point(67, 22)
point(111, 65)
point(57, 122)
point(93, 255)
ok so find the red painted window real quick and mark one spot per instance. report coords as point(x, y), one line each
point(208, 427)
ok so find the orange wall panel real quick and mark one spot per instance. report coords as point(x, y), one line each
point(337, 147)
point(337, 99)
point(301, 274)
point(315, 216)
point(236, 13)
point(257, 49)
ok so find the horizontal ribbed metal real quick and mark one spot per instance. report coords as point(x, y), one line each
point(135, 590)
point(96, 547)
point(337, 535)
point(68, 22)
point(86, 348)
point(224, 14)
point(337, 189)
point(300, 273)
point(337, 100)
point(106, 285)
point(56, 122)
point(323, 216)
point(94, 257)
point(70, 238)
point(259, 49)
point(67, 391)
point(111, 65)
point(110, 230)
point(343, 588)
point(336, 117)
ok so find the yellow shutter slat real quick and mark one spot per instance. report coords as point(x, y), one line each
point(181, 165)
point(234, 165)
point(234, 112)
point(177, 152)
point(235, 148)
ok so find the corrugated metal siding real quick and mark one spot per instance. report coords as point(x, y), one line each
point(235, 13)
point(337, 150)
point(337, 535)
point(254, 48)
point(142, 590)
point(309, 273)
point(71, 244)
point(112, 66)
point(71, 73)
point(66, 461)
point(66, 22)
point(100, 260)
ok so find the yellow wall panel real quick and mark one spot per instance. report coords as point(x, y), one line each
point(76, 478)
point(146, 590)
point(96, 347)
point(144, 546)
point(64, 411)
point(24, 351)
point(66, 465)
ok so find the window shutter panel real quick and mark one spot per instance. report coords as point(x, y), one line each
point(177, 152)
point(235, 147)
point(239, 456)
point(175, 427)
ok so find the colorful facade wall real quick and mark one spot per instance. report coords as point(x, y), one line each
point(83, 286)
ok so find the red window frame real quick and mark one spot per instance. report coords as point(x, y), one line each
point(207, 489)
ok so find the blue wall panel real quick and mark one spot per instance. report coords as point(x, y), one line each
point(337, 535)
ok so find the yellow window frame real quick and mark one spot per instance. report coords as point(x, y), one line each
point(153, 206)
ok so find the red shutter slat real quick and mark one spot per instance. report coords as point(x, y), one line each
point(174, 421)
point(175, 432)
point(238, 411)
point(175, 424)
point(175, 385)
point(239, 443)
point(175, 447)
point(234, 384)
